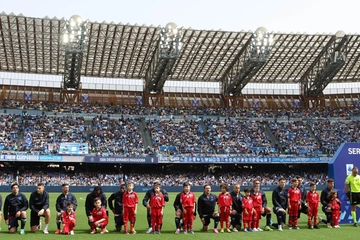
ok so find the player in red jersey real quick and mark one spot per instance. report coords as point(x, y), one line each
point(258, 206)
point(157, 203)
point(248, 210)
point(69, 219)
point(313, 199)
point(294, 202)
point(130, 202)
point(224, 203)
point(188, 200)
point(99, 216)
point(335, 208)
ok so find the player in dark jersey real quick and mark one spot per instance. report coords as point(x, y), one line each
point(178, 213)
point(61, 204)
point(206, 209)
point(116, 206)
point(15, 206)
point(235, 215)
point(89, 202)
point(39, 205)
point(325, 202)
point(280, 203)
point(303, 207)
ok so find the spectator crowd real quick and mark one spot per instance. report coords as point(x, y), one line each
point(169, 176)
point(177, 131)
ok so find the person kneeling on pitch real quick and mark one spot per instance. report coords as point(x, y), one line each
point(206, 209)
point(116, 206)
point(280, 203)
point(15, 207)
point(61, 204)
point(39, 205)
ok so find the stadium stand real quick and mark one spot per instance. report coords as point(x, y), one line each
point(48, 132)
point(166, 132)
point(238, 137)
point(294, 137)
point(184, 137)
point(176, 175)
point(332, 133)
point(116, 137)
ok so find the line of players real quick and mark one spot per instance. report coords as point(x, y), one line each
point(249, 208)
point(16, 205)
point(246, 209)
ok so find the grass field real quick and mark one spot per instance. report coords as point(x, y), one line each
point(82, 229)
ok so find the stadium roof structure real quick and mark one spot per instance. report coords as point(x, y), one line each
point(116, 50)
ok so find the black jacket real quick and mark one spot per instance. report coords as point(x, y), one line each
point(63, 200)
point(324, 196)
point(117, 205)
point(206, 204)
point(151, 192)
point(13, 204)
point(236, 202)
point(89, 202)
point(177, 204)
point(303, 193)
point(280, 198)
point(38, 202)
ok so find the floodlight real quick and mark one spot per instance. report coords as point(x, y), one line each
point(261, 31)
point(75, 21)
point(171, 28)
point(340, 34)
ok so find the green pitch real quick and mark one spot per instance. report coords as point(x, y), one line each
point(82, 230)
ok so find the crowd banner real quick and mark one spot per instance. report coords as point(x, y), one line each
point(159, 159)
point(346, 157)
point(227, 159)
point(119, 159)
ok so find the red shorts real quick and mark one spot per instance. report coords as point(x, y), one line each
point(314, 208)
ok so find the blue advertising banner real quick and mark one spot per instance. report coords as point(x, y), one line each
point(27, 157)
point(119, 159)
point(181, 159)
point(50, 158)
point(162, 159)
point(346, 157)
point(30, 157)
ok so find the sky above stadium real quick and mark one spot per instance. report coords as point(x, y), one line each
point(310, 16)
